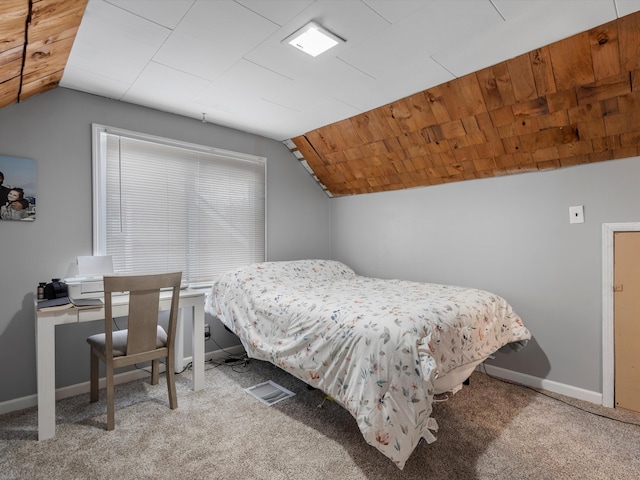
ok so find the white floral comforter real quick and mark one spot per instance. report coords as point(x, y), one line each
point(374, 345)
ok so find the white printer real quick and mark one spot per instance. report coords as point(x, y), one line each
point(88, 281)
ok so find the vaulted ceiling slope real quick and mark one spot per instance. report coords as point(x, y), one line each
point(572, 102)
point(35, 40)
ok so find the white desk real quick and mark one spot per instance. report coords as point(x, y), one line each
point(45, 346)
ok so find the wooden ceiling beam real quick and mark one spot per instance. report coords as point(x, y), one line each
point(36, 39)
point(13, 20)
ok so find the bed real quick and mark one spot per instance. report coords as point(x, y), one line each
point(380, 348)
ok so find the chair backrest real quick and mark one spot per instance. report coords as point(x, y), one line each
point(144, 297)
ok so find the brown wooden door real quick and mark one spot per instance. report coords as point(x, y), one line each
point(626, 322)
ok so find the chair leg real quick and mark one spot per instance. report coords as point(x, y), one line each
point(110, 399)
point(155, 371)
point(171, 383)
point(95, 373)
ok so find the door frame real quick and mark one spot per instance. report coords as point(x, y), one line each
point(608, 351)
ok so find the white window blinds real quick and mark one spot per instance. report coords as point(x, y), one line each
point(162, 205)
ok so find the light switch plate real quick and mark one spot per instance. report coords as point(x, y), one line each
point(576, 214)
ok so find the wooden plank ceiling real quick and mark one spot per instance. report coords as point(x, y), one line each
point(573, 102)
point(36, 37)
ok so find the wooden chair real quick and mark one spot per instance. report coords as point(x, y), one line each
point(144, 340)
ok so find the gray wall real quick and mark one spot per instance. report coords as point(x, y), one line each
point(510, 235)
point(55, 129)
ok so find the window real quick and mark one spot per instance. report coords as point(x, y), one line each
point(162, 205)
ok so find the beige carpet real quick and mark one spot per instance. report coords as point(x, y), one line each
point(489, 430)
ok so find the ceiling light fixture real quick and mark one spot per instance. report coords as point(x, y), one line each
point(313, 39)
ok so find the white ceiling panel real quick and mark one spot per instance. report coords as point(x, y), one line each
point(258, 82)
point(365, 55)
point(574, 15)
point(90, 82)
point(401, 82)
point(528, 26)
point(407, 79)
point(325, 112)
point(115, 44)
point(413, 39)
point(212, 37)
point(338, 80)
point(262, 112)
point(625, 7)
point(167, 13)
point(278, 11)
point(158, 85)
point(226, 58)
point(395, 11)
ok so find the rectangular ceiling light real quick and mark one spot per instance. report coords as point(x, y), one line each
point(313, 39)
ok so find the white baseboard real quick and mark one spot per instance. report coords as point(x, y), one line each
point(80, 388)
point(536, 382)
point(524, 379)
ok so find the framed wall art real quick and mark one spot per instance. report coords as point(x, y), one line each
point(17, 189)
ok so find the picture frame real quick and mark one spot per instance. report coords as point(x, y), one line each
point(17, 189)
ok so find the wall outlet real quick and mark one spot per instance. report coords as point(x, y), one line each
point(576, 214)
point(207, 332)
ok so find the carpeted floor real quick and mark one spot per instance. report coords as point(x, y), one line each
point(489, 430)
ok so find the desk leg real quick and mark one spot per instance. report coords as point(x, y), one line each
point(46, 373)
point(178, 361)
point(197, 346)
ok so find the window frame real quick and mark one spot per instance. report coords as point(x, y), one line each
point(99, 181)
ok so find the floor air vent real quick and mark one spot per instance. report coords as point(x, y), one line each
point(269, 392)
